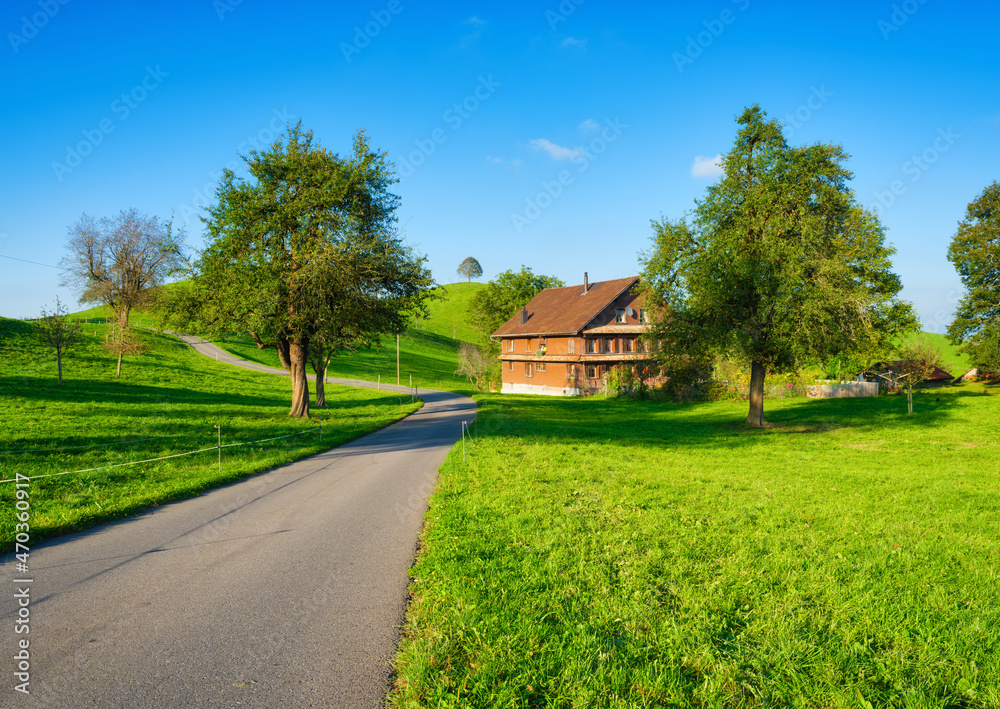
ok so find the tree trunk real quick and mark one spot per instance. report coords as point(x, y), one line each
point(756, 417)
point(297, 353)
point(321, 387)
point(59, 363)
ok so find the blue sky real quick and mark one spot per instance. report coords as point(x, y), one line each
point(540, 133)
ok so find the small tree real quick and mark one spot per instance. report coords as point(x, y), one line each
point(55, 331)
point(470, 268)
point(473, 363)
point(123, 341)
point(917, 361)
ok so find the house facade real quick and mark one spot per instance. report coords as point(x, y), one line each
point(566, 340)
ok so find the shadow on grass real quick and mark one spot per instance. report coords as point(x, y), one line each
point(711, 424)
point(124, 392)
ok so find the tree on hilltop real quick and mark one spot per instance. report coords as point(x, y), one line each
point(470, 268)
point(777, 265)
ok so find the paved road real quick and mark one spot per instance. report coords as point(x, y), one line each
point(284, 590)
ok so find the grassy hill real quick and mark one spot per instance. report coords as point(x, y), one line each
point(448, 312)
point(427, 351)
point(607, 553)
point(955, 363)
point(168, 401)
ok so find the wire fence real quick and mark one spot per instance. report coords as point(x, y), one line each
point(218, 447)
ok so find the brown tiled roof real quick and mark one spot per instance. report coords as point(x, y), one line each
point(565, 311)
point(937, 374)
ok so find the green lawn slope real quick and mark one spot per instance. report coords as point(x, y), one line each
point(609, 553)
point(167, 402)
point(427, 350)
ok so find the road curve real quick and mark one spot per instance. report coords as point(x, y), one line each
point(283, 590)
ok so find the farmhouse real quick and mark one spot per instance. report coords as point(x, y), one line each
point(565, 340)
point(889, 371)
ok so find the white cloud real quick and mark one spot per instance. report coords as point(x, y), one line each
point(471, 38)
point(707, 167)
point(573, 42)
point(590, 124)
point(558, 152)
point(516, 162)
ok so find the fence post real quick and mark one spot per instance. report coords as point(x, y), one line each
point(219, 446)
point(464, 424)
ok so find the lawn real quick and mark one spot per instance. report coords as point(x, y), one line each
point(431, 361)
point(611, 553)
point(168, 401)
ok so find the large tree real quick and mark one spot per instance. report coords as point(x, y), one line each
point(303, 255)
point(470, 268)
point(777, 264)
point(119, 261)
point(975, 252)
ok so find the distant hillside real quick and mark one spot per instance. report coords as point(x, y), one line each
point(447, 315)
point(955, 363)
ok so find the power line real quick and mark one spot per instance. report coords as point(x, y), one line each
point(13, 258)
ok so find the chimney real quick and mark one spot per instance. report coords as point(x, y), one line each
point(586, 283)
point(524, 315)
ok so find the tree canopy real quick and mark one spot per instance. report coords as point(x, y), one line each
point(777, 264)
point(501, 298)
point(470, 268)
point(304, 255)
point(975, 253)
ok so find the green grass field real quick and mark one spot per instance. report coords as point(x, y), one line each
point(447, 315)
point(606, 553)
point(168, 401)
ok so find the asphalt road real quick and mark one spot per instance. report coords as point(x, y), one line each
point(284, 590)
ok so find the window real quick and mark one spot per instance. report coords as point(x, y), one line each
point(620, 315)
point(510, 366)
point(510, 345)
point(628, 344)
point(539, 366)
point(640, 345)
point(570, 371)
point(543, 342)
point(643, 315)
point(527, 369)
point(592, 371)
point(609, 344)
point(527, 345)
point(592, 346)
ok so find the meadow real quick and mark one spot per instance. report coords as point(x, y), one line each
point(168, 401)
point(610, 553)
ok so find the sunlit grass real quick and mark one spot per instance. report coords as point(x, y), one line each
point(168, 401)
point(633, 554)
